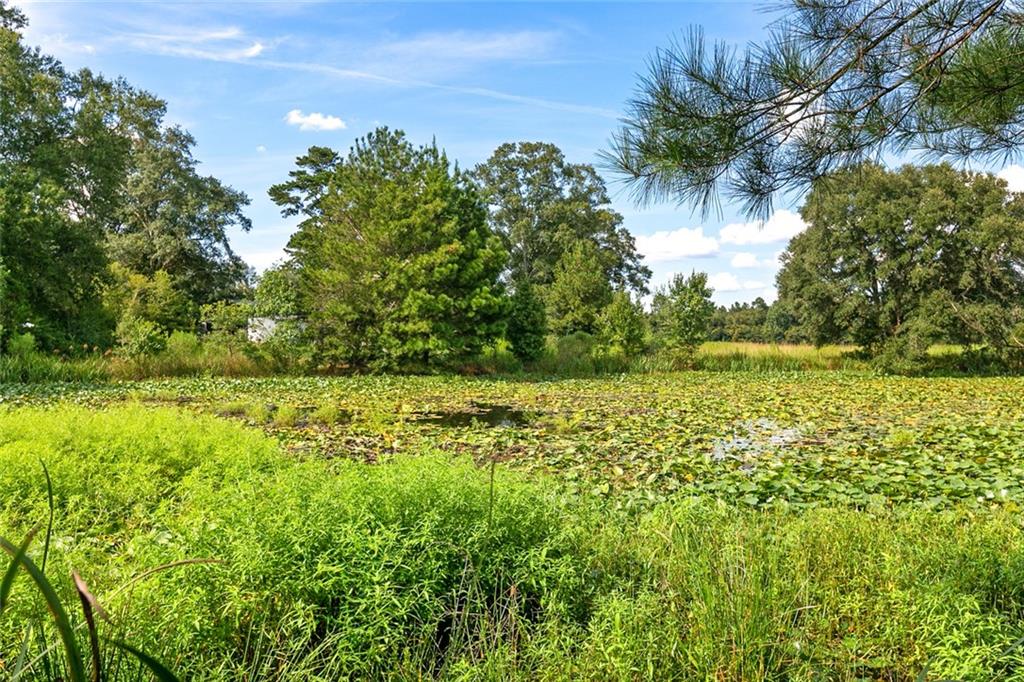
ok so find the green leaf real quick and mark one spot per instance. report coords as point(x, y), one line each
point(12, 570)
point(76, 669)
point(156, 667)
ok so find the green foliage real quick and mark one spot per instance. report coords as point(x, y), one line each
point(227, 323)
point(88, 174)
point(171, 219)
point(831, 86)
point(579, 292)
point(622, 325)
point(137, 337)
point(740, 322)
point(681, 313)
point(405, 552)
point(277, 292)
point(155, 299)
point(527, 323)
point(398, 267)
point(43, 368)
point(542, 206)
point(423, 564)
point(21, 345)
point(895, 261)
point(286, 415)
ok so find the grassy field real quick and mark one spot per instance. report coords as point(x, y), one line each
point(700, 525)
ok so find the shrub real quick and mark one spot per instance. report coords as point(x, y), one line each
point(137, 337)
point(182, 345)
point(21, 345)
point(257, 412)
point(286, 415)
point(327, 414)
point(682, 314)
point(622, 326)
point(527, 323)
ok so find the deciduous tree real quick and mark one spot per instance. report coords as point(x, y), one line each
point(908, 257)
point(542, 206)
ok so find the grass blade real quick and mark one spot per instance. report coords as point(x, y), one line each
point(19, 665)
point(89, 607)
point(12, 570)
point(155, 666)
point(76, 670)
point(49, 524)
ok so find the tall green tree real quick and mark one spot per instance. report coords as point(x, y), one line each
point(904, 258)
point(681, 314)
point(65, 141)
point(579, 291)
point(527, 322)
point(89, 175)
point(542, 206)
point(622, 325)
point(835, 83)
point(397, 264)
point(173, 219)
point(741, 321)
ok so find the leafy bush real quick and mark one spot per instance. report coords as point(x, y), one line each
point(355, 570)
point(21, 345)
point(681, 313)
point(622, 325)
point(182, 345)
point(527, 323)
point(24, 364)
point(137, 337)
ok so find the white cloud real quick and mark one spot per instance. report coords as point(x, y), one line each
point(726, 281)
point(228, 44)
point(676, 244)
point(782, 226)
point(473, 46)
point(261, 149)
point(313, 121)
point(1014, 176)
point(745, 260)
point(261, 260)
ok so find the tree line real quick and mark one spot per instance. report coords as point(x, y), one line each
point(104, 217)
point(402, 260)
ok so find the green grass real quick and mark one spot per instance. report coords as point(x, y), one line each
point(419, 567)
point(738, 356)
point(41, 368)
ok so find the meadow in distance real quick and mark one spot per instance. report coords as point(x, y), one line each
point(456, 435)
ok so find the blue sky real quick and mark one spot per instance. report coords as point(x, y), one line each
point(258, 83)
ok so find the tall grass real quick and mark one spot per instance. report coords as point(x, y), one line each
point(41, 368)
point(427, 567)
point(740, 356)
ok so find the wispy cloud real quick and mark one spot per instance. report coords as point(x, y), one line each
point(313, 120)
point(356, 74)
point(233, 45)
point(219, 44)
point(472, 46)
